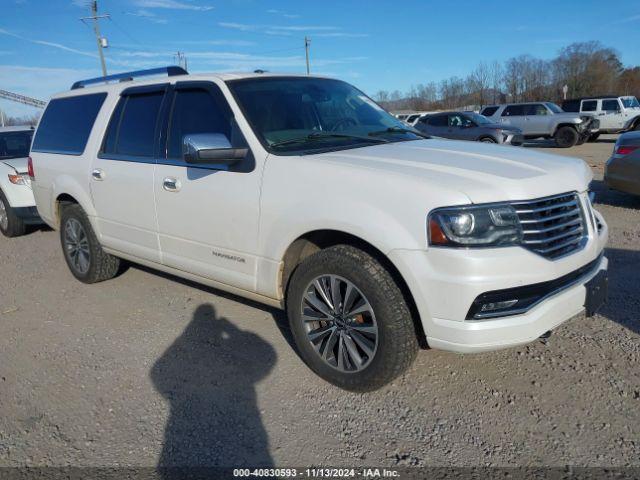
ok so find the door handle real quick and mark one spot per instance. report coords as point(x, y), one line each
point(98, 174)
point(171, 184)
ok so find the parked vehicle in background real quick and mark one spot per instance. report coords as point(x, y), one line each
point(17, 205)
point(544, 120)
point(402, 116)
point(616, 114)
point(622, 170)
point(412, 119)
point(468, 126)
point(302, 193)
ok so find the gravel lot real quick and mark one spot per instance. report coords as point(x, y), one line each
point(148, 369)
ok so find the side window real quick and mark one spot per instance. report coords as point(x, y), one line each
point(610, 105)
point(488, 111)
point(589, 105)
point(513, 111)
point(197, 111)
point(133, 125)
point(537, 109)
point(67, 123)
point(439, 121)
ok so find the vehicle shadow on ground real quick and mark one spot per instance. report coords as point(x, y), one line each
point(623, 304)
point(208, 377)
point(606, 196)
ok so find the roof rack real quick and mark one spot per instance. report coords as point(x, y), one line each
point(170, 71)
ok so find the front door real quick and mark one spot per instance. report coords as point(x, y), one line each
point(122, 174)
point(537, 119)
point(207, 214)
point(610, 116)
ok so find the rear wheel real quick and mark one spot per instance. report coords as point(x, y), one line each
point(82, 251)
point(10, 224)
point(566, 137)
point(487, 140)
point(349, 319)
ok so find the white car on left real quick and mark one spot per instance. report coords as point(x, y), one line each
point(17, 205)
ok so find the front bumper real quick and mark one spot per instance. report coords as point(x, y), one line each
point(445, 282)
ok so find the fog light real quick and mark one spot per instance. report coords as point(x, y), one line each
point(493, 306)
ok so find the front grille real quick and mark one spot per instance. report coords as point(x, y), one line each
point(552, 226)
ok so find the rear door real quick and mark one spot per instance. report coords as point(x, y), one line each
point(207, 214)
point(514, 115)
point(611, 116)
point(122, 174)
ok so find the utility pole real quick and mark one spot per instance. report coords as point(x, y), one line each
point(101, 41)
point(307, 43)
point(181, 59)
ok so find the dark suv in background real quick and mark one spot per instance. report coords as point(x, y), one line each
point(468, 126)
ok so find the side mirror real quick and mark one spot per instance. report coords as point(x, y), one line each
point(206, 148)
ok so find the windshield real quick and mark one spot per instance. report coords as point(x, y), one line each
point(630, 102)
point(554, 108)
point(15, 144)
point(307, 115)
point(478, 119)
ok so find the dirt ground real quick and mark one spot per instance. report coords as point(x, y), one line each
point(149, 370)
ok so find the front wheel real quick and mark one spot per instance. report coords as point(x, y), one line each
point(566, 137)
point(488, 140)
point(82, 250)
point(10, 224)
point(349, 319)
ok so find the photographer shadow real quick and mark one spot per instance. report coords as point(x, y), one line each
point(208, 376)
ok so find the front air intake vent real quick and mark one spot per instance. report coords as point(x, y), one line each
point(552, 226)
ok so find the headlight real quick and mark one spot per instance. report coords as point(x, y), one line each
point(475, 226)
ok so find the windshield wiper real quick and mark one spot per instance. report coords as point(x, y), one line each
point(398, 130)
point(319, 136)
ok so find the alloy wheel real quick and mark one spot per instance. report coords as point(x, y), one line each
point(4, 217)
point(77, 246)
point(340, 323)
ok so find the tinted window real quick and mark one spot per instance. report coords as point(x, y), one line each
point(571, 106)
point(609, 105)
point(15, 144)
point(196, 111)
point(132, 129)
point(589, 105)
point(439, 121)
point(66, 124)
point(488, 111)
point(513, 111)
point(535, 109)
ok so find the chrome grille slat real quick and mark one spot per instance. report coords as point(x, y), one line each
point(552, 226)
point(576, 211)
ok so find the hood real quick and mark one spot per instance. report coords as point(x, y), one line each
point(481, 171)
point(18, 164)
point(571, 116)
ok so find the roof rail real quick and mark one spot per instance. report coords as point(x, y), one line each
point(170, 71)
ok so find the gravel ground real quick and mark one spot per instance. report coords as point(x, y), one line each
point(148, 369)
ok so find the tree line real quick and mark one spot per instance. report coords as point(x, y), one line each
point(586, 68)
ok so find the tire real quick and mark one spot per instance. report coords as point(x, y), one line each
point(637, 127)
point(90, 264)
point(566, 137)
point(487, 140)
point(389, 351)
point(10, 224)
point(594, 137)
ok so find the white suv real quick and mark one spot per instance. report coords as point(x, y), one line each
point(615, 114)
point(17, 206)
point(302, 193)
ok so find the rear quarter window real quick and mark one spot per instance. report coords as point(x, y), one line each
point(67, 123)
point(488, 111)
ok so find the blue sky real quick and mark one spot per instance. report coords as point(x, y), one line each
point(374, 44)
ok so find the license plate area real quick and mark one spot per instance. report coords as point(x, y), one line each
point(597, 292)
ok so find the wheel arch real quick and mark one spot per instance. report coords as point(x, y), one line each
point(316, 240)
point(67, 190)
point(560, 125)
